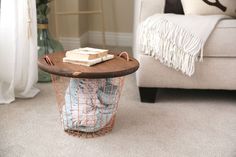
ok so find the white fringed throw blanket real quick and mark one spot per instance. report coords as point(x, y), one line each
point(177, 40)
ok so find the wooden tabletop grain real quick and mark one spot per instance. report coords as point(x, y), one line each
point(116, 67)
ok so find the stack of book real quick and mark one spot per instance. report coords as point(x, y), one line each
point(87, 56)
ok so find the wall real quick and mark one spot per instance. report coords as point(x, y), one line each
point(70, 25)
point(118, 21)
point(118, 16)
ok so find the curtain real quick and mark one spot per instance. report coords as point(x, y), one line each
point(18, 50)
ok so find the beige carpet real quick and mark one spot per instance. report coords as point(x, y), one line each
point(183, 123)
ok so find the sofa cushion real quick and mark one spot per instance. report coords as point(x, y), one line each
point(221, 42)
point(210, 7)
point(174, 6)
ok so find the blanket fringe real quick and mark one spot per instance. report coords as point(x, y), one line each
point(171, 44)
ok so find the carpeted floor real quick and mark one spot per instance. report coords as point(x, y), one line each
point(182, 123)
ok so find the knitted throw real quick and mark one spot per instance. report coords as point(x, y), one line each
point(177, 40)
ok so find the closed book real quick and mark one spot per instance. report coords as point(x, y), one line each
point(88, 62)
point(86, 53)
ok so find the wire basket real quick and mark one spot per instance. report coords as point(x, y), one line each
point(87, 106)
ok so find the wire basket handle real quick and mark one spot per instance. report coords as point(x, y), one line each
point(48, 61)
point(125, 53)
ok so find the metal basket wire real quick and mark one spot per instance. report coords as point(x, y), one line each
point(87, 106)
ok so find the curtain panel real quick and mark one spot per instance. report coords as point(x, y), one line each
point(18, 50)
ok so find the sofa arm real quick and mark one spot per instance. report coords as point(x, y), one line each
point(144, 9)
point(150, 7)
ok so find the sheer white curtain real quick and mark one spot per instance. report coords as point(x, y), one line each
point(18, 50)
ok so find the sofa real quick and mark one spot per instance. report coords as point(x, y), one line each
point(217, 71)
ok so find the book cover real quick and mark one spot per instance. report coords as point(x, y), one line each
point(88, 62)
point(86, 53)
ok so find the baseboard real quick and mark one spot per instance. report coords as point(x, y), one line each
point(95, 37)
point(74, 42)
point(70, 42)
point(112, 38)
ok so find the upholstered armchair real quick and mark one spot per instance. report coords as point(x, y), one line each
point(217, 71)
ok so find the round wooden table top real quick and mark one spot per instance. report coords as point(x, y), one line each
point(116, 67)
